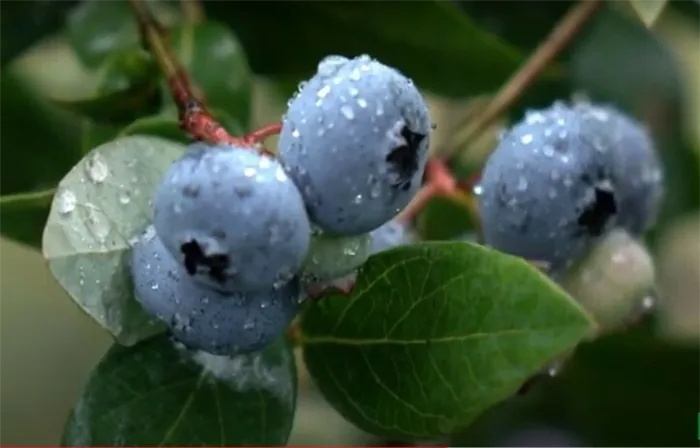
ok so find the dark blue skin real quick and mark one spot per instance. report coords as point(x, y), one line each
point(562, 178)
point(232, 218)
point(202, 318)
point(355, 140)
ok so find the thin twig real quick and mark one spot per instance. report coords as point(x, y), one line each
point(560, 36)
point(194, 118)
point(192, 11)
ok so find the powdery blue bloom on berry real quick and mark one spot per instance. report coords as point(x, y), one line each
point(563, 177)
point(202, 318)
point(355, 140)
point(232, 218)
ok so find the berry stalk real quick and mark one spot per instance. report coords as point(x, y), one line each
point(560, 36)
point(194, 118)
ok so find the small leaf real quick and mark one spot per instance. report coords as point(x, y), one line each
point(24, 23)
point(433, 42)
point(22, 216)
point(96, 29)
point(217, 63)
point(434, 334)
point(445, 218)
point(159, 394)
point(100, 206)
point(128, 88)
point(166, 125)
point(648, 10)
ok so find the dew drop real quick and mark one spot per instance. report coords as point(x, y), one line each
point(321, 132)
point(358, 199)
point(97, 223)
point(548, 151)
point(347, 112)
point(295, 133)
point(66, 202)
point(330, 65)
point(154, 285)
point(96, 168)
point(249, 325)
point(568, 182)
point(355, 75)
point(353, 91)
point(362, 103)
point(522, 183)
point(124, 198)
point(380, 110)
point(526, 139)
point(478, 190)
point(280, 175)
point(324, 91)
point(563, 134)
point(249, 172)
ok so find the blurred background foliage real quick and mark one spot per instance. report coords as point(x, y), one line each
point(73, 78)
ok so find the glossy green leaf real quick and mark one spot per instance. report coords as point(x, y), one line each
point(100, 206)
point(127, 89)
point(25, 22)
point(97, 29)
point(217, 63)
point(159, 394)
point(433, 42)
point(434, 334)
point(166, 125)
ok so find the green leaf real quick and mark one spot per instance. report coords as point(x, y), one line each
point(217, 63)
point(166, 125)
point(648, 10)
point(625, 382)
point(46, 143)
point(159, 394)
point(433, 42)
point(23, 215)
point(128, 88)
point(95, 30)
point(434, 334)
point(100, 206)
point(445, 218)
point(24, 23)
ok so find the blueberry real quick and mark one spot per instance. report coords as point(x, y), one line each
point(232, 218)
point(355, 140)
point(202, 318)
point(561, 179)
point(390, 235)
point(332, 257)
point(636, 172)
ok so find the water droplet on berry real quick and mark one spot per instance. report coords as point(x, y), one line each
point(280, 175)
point(526, 139)
point(534, 117)
point(295, 133)
point(97, 222)
point(522, 183)
point(96, 168)
point(548, 132)
point(353, 91)
point(548, 151)
point(330, 65)
point(249, 325)
point(568, 182)
point(324, 91)
point(355, 75)
point(347, 112)
point(124, 198)
point(66, 202)
point(563, 134)
point(154, 285)
point(249, 172)
point(358, 199)
point(478, 190)
point(380, 110)
point(362, 102)
point(565, 159)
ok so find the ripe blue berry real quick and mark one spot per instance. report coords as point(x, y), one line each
point(561, 179)
point(355, 140)
point(232, 218)
point(390, 235)
point(202, 318)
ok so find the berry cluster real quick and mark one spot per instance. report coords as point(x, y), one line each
point(239, 237)
point(563, 178)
